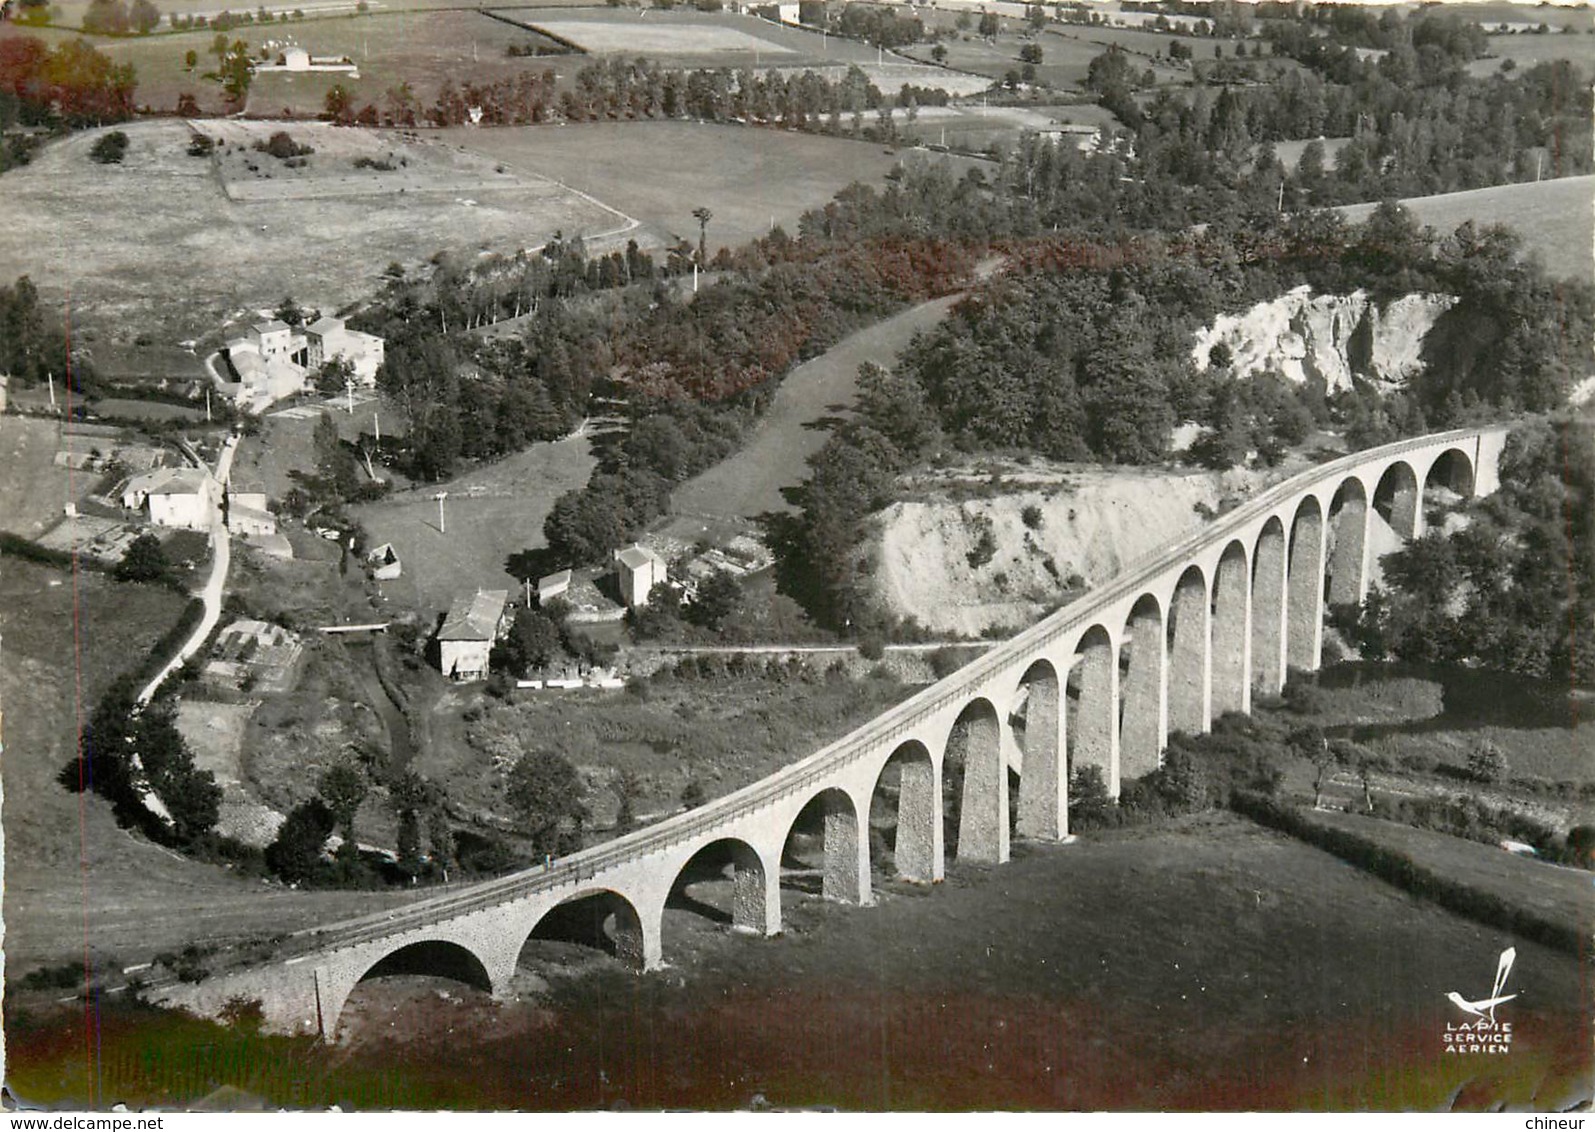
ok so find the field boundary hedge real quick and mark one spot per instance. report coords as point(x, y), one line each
point(166, 648)
point(1402, 871)
point(25, 548)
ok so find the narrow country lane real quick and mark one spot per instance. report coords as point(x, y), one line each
point(215, 585)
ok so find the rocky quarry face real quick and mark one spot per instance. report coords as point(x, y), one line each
point(969, 566)
point(1333, 338)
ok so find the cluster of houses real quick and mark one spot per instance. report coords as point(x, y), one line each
point(189, 499)
point(474, 624)
point(272, 360)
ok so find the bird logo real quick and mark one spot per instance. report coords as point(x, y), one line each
point(1484, 1008)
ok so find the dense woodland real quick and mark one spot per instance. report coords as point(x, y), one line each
point(1081, 360)
point(1513, 587)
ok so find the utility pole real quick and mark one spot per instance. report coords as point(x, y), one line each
point(50, 377)
point(442, 524)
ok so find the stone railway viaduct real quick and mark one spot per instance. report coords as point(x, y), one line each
point(1177, 639)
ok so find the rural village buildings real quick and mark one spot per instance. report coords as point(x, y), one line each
point(190, 499)
point(273, 360)
point(469, 632)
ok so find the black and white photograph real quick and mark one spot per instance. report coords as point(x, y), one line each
point(868, 556)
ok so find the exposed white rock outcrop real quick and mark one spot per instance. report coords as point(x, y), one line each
point(1329, 337)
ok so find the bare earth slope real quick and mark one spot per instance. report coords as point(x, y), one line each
point(1091, 523)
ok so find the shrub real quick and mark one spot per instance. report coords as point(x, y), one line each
point(1030, 515)
point(110, 149)
point(1487, 763)
point(945, 661)
point(1420, 762)
point(282, 146)
point(1090, 807)
point(872, 646)
point(61, 976)
point(1302, 696)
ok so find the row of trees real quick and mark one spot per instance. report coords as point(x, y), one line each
point(118, 17)
point(622, 88)
point(32, 340)
point(130, 748)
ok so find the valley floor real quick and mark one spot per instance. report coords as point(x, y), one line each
point(1206, 965)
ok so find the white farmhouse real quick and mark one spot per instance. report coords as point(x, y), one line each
point(276, 339)
point(174, 497)
point(468, 634)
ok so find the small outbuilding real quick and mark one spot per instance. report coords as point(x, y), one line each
point(552, 586)
point(384, 563)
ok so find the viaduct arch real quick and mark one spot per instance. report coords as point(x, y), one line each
point(1179, 637)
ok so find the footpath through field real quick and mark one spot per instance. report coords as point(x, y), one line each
point(749, 482)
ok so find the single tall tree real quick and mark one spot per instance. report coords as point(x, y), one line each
point(545, 791)
point(703, 216)
point(343, 785)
